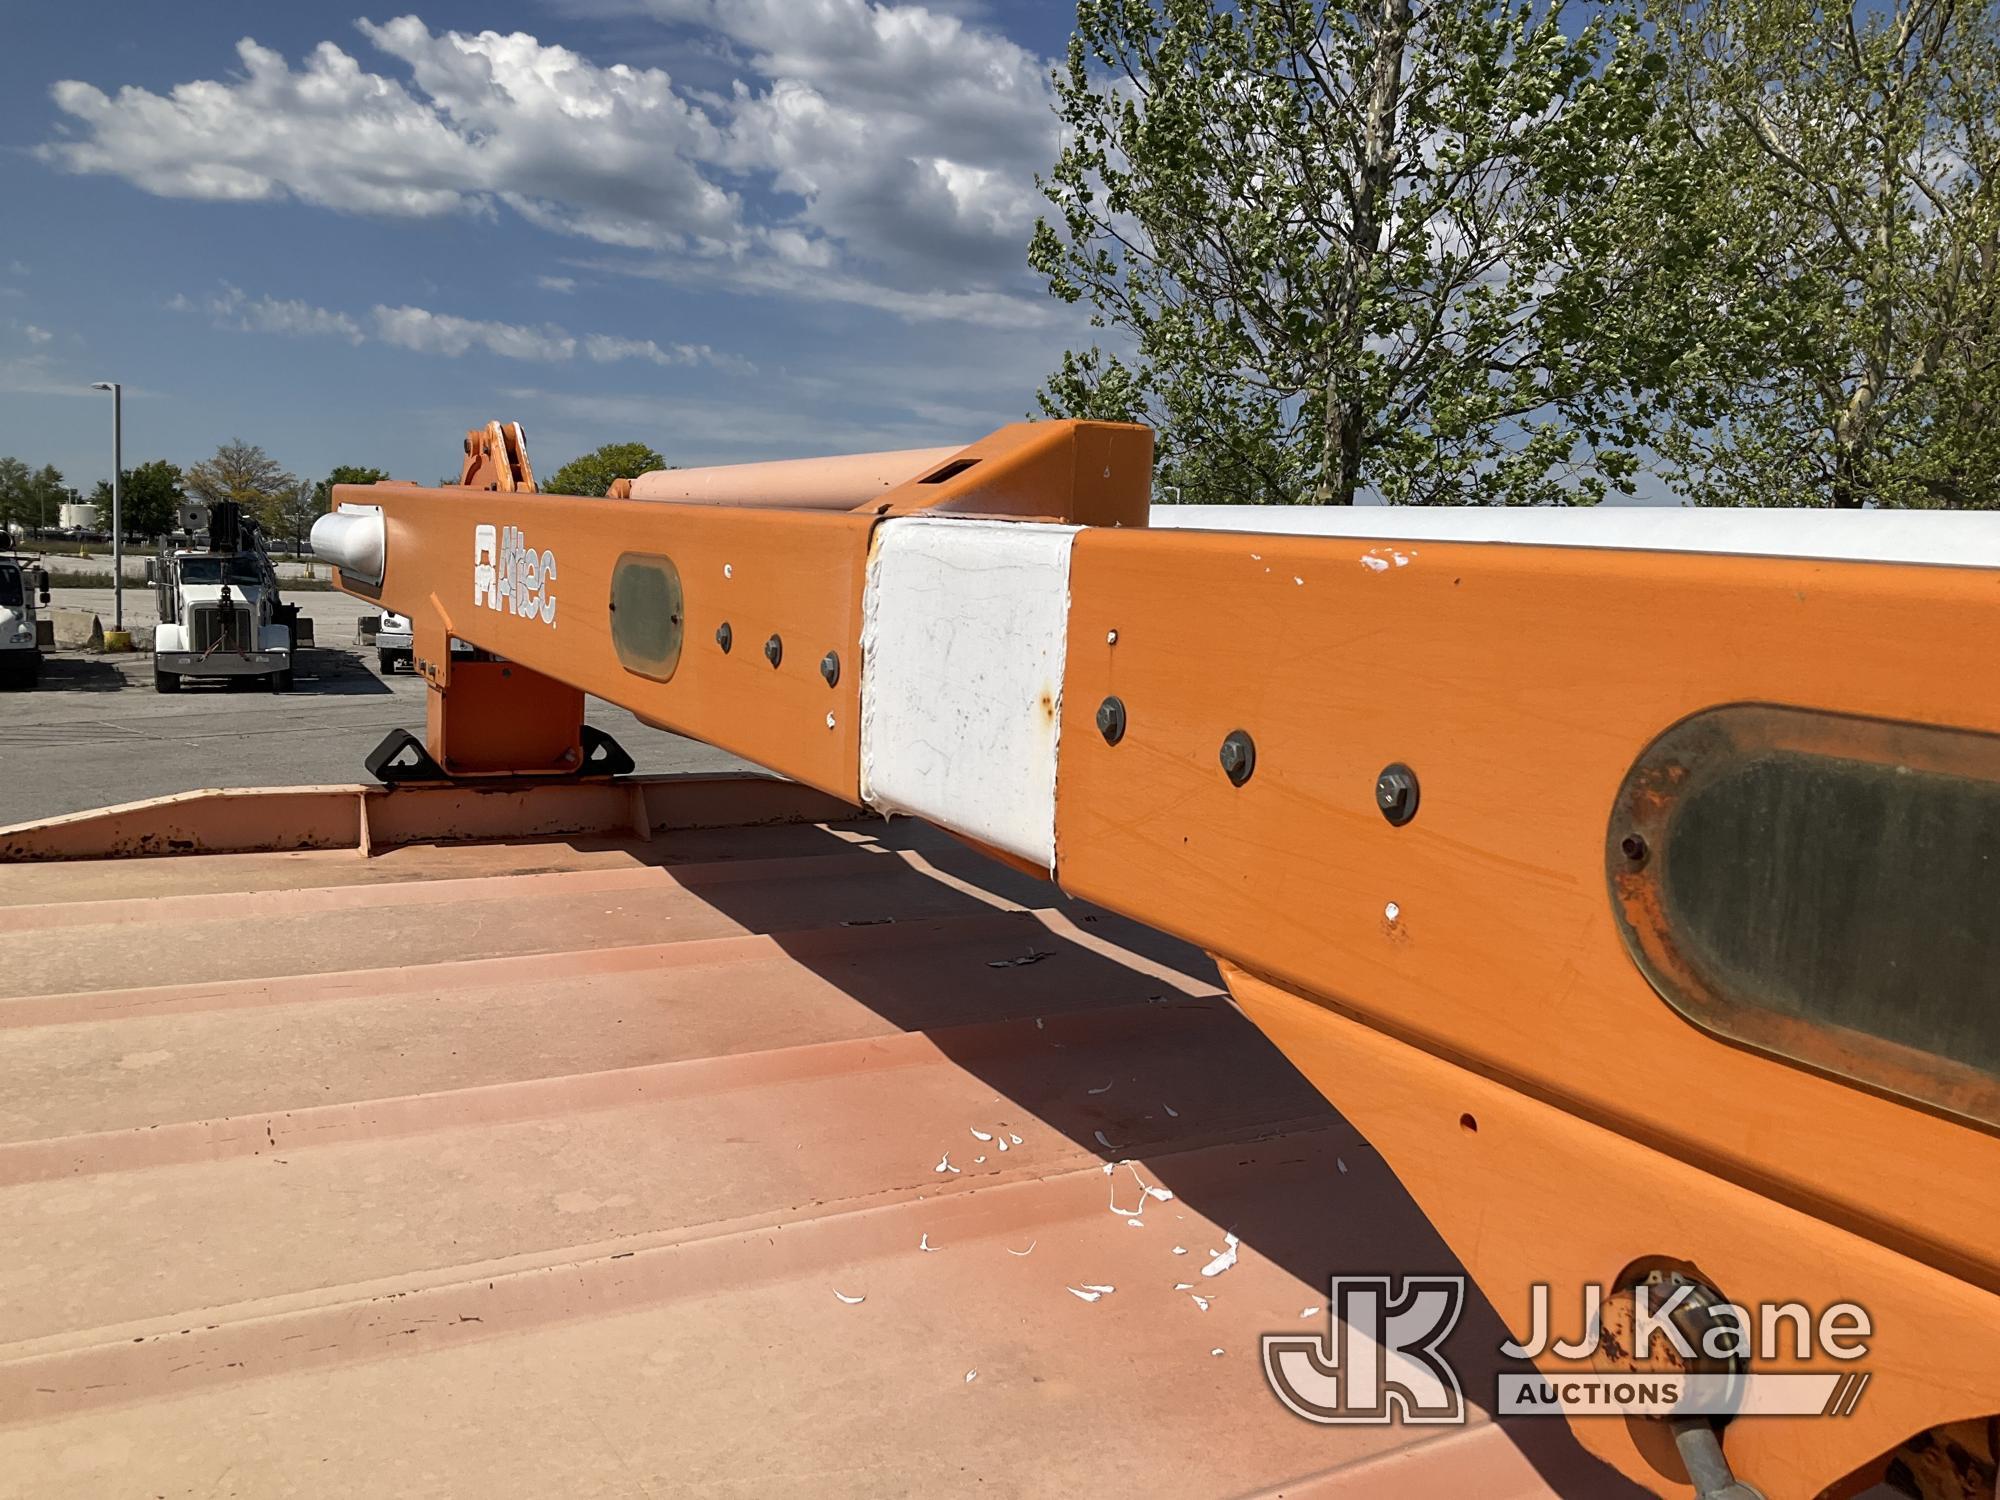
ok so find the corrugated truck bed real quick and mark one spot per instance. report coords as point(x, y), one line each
point(607, 1166)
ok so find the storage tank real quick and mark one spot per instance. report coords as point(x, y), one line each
point(78, 515)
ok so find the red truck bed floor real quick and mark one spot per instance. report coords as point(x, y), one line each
point(602, 1167)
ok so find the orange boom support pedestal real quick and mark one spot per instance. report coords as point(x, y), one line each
point(1611, 996)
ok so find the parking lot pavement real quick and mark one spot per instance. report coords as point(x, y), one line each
point(94, 732)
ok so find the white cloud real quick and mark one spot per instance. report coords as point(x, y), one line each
point(231, 308)
point(912, 137)
point(608, 153)
point(563, 284)
point(34, 375)
point(694, 429)
point(876, 154)
point(36, 335)
point(606, 349)
point(423, 331)
point(981, 307)
point(428, 332)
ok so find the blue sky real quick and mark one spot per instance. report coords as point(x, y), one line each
point(734, 229)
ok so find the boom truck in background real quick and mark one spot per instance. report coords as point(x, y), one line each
point(1622, 878)
point(220, 613)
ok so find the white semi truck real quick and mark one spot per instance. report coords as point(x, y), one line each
point(220, 615)
point(22, 588)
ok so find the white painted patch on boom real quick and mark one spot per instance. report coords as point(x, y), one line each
point(1968, 539)
point(962, 643)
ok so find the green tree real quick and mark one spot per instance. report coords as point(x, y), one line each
point(18, 495)
point(1361, 248)
point(37, 495)
point(245, 473)
point(1855, 315)
point(30, 497)
point(149, 499)
point(592, 474)
point(322, 493)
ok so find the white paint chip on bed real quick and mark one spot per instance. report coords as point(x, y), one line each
point(1224, 1258)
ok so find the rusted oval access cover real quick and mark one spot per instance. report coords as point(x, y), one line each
point(1823, 888)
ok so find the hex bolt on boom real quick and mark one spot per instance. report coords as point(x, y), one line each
point(1396, 794)
point(725, 637)
point(1239, 756)
point(829, 667)
point(1111, 720)
point(774, 650)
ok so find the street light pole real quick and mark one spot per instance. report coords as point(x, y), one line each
point(117, 513)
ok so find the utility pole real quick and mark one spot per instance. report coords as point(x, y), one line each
point(117, 513)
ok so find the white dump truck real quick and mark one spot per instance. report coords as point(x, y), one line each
point(22, 588)
point(220, 615)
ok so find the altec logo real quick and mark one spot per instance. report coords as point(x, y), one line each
point(508, 574)
point(1678, 1354)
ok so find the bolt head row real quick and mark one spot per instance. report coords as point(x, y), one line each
point(774, 652)
point(1396, 790)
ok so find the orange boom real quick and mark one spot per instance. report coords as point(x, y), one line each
point(1627, 877)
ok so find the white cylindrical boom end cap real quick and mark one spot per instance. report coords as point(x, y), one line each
point(353, 539)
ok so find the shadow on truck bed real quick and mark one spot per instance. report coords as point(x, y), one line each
point(734, 1160)
point(1249, 1144)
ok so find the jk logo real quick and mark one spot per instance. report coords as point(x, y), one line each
point(1379, 1359)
